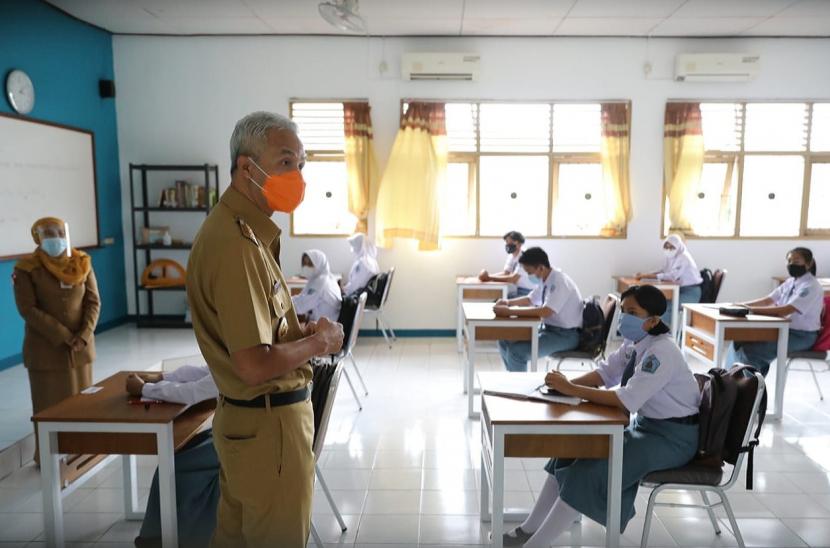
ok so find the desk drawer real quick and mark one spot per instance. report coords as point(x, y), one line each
point(699, 346)
point(481, 294)
point(503, 333)
point(571, 446)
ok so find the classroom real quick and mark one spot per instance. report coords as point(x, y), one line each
point(393, 274)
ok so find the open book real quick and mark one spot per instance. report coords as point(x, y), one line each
point(527, 388)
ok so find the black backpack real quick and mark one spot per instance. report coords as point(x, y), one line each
point(348, 309)
point(593, 321)
point(727, 398)
point(374, 290)
point(707, 286)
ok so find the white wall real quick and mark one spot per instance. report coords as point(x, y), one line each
point(179, 98)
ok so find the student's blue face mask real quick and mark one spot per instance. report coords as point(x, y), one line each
point(534, 279)
point(631, 327)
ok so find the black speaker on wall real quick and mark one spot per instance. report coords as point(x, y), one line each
point(106, 89)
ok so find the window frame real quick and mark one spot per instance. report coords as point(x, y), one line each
point(718, 156)
point(319, 156)
point(554, 160)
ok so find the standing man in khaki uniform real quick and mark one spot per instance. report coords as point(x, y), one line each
point(257, 352)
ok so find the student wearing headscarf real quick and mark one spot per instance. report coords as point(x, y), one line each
point(680, 268)
point(57, 296)
point(648, 377)
point(800, 298)
point(321, 295)
point(365, 265)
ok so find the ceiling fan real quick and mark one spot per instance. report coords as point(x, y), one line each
point(343, 15)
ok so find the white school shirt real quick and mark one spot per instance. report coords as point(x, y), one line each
point(512, 266)
point(363, 270)
point(681, 267)
point(559, 293)
point(807, 296)
point(317, 302)
point(189, 384)
point(663, 385)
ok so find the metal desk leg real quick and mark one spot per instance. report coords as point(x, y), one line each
point(781, 372)
point(471, 352)
point(50, 477)
point(534, 349)
point(459, 319)
point(167, 487)
point(497, 523)
point(720, 343)
point(675, 313)
point(130, 485)
point(612, 531)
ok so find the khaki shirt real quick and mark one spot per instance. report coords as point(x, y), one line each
point(237, 294)
point(53, 314)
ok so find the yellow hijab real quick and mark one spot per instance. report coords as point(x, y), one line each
point(69, 270)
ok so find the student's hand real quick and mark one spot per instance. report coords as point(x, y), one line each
point(502, 302)
point(134, 385)
point(484, 275)
point(331, 335)
point(558, 382)
point(501, 311)
point(639, 275)
point(151, 377)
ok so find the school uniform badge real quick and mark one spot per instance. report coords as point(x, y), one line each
point(650, 364)
point(804, 292)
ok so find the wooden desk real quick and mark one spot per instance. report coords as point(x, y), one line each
point(707, 334)
point(104, 423)
point(825, 283)
point(671, 291)
point(471, 289)
point(481, 324)
point(511, 428)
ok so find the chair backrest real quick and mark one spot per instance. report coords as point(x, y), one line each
point(750, 437)
point(326, 380)
point(717, 283)
point(611, 309)
point(351, 339)
point(822, 343)
point(389, 275)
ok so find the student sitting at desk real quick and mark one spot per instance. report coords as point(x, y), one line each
point(320, 298)
point(555, 300)
point(512, 273)
point(197, 465)
point(679, 268)
point(365, 265)
point(656, 384)
point(800, 298)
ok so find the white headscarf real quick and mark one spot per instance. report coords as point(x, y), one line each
point(364, 251)
point(322, 280)
point(676, 242)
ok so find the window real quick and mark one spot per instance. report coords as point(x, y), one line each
point(765, 172)
point(532, 167)
point(324, 210)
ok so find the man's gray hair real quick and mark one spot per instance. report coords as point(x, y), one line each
point(250, 134)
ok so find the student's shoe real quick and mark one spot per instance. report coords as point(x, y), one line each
point(516, 537)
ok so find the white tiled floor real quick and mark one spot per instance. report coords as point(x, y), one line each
point(404, 470)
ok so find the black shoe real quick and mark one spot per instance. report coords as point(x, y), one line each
point(516, 537)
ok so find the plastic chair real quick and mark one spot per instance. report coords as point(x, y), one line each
point(348, 346)
point(717, 282)
point(381, 323)
point(705, 479)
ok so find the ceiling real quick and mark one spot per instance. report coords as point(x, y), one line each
point(698, 18)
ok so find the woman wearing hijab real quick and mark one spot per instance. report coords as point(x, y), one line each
point(57, 296)
point(365, 265)
point(679, 268)
point(321, 295)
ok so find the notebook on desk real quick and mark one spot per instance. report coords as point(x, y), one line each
point(529, 389)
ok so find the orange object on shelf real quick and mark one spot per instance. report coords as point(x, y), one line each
point(163, 273)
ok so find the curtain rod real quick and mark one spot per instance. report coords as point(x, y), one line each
point(524, 101)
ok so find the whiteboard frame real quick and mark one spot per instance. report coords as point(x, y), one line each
point(91, 134)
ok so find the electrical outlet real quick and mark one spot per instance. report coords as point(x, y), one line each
point(108, 241)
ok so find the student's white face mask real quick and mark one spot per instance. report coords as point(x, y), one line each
point(669, 253)
point(307, 272)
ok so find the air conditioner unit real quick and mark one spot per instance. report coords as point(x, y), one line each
point(716, 67)
point(440, 66)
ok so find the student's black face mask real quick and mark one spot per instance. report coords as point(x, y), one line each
point(796, 270)
point(510, 248)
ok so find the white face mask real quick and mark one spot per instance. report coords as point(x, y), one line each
point(307, 272)
point(669, 252)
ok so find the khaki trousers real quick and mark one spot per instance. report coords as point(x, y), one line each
point(267, 475)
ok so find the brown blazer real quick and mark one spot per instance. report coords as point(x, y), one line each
point(53, 315)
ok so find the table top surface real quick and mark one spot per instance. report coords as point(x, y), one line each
point(631, 280)
point(110, 404)
point(299, 280)
point(501, 410)
point(484, 312)
point(473, 280)
point(711, 311)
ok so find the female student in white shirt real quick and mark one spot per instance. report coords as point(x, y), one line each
point(800, 298)
point(654, 382)
point(512, 273)
point(320, 298)
point(365, 265)
point(679, 267)
point(555, 300)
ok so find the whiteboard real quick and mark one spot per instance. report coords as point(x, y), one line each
point(46, 170)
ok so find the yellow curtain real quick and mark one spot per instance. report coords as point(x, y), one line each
point(682, 162)
point(407, 204)
point(615, 151)
point(361, 166)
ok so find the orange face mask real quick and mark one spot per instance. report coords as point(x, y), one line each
point(283, 192)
